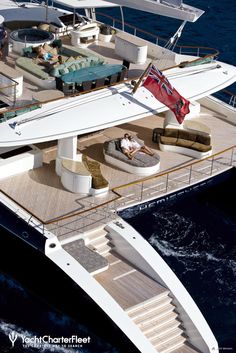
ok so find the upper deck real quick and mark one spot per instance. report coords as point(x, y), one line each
point(114, 110)
point(108, 105)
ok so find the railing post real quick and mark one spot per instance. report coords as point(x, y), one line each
point(167, 181)
point(190, 174)
point(212, 162)
point(135, 31)
point(141, 192)
point(232, 156)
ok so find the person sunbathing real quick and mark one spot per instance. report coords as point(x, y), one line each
point(43, 54)
point(126, 146)
point(136, 147)
point(130, 146)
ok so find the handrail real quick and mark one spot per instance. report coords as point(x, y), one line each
point(13, 86)
point(158, 38)
point(62, 218)
point(116, 189)
point(174, 170)
point(231, 97)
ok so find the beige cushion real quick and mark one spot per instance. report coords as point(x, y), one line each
point(171, 133)
point(200, 147)
point(53, 51)
point(70, 59)
point(187, 135)
point(168, 140)
point(204, 139)
point(184, 143)
point(47, 47)
point(44, 26)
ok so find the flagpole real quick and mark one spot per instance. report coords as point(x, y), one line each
point(141, 78)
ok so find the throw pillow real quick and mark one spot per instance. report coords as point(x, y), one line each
point(47, 47)
point(70, 59)
point(27, 51)
point(64, 71)
point(53, 51)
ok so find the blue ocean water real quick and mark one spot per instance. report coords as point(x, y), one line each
point(200, 250)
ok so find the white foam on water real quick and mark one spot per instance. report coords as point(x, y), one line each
point(8, 328)
point(12, 284)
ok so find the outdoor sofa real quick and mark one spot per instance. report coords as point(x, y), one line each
point(74, 59)
point(193, 144)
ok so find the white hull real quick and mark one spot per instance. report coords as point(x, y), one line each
point(132, 246)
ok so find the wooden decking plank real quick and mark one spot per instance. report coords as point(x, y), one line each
point(41, 192)
point(132, 288)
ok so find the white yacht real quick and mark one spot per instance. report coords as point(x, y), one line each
point(62, 177)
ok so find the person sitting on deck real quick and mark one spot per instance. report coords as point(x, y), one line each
point(50, 64)
point(130, 146)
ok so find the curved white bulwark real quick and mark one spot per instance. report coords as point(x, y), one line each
point(109, 107)
point(129, 244)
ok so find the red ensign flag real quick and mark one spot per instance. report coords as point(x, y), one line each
point(163, 91)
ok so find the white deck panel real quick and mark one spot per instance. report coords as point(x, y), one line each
point(109, 107)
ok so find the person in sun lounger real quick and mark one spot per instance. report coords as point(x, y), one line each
point(130, 146)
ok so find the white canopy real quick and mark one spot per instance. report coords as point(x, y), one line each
point(169, 8)
point(85, 4)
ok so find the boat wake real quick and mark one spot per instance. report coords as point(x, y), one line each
point(38, 320)
point(181, 239)
point(195, 235)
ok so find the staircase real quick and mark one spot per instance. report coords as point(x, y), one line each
point(159, 322)
point(97, 240)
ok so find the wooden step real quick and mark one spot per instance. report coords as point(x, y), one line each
point(160, 302)
point(99, 242)
point(104, 250)
point(113, 260)
point(140, 306)
point(163, 329)
point(165, 337)
point(186, 348)
point(156, 315)
point(171, 345)
point(156, 325)
point(95, 234)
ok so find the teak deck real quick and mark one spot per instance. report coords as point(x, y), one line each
point(127, 285)
point(41, 192)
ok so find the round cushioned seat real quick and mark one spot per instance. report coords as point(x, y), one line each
point(141, 164)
